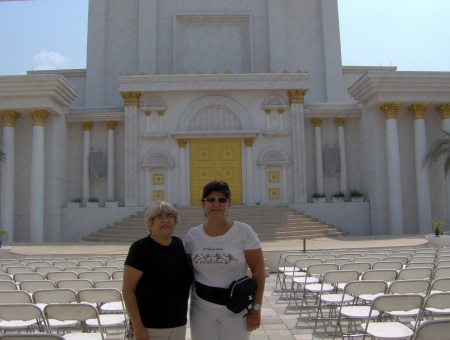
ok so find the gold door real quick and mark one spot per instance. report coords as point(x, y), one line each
point(215, 159)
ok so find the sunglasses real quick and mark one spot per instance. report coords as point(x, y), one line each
point(213, 199)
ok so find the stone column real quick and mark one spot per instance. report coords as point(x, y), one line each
point(342, 155)
point(444, 111)
point(284, 198)
point(183, 173)
point(318, 150)
point(147, 121)
point(111, 126)
point(131, 103)
point(297, 98)
point(9, 119)
point(395, 201)
point(268, 127)
point(37, 196)
point(160, 121)
point(263, 186)
point(422, 174)
point(280, 120)
point(85, 173)
point(249, 200)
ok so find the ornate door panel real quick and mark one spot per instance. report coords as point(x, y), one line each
point(215, 159)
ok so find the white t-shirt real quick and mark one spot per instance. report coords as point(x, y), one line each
point(220, 260)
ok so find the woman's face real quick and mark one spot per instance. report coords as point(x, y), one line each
point(163, 225)
point(215, 204)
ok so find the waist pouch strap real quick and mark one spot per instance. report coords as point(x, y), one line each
point(215, 295)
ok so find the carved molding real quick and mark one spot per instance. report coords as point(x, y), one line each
point(418, 110)
point(9, 118)
point(390, 110)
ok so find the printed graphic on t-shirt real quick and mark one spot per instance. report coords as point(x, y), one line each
point(213, 256)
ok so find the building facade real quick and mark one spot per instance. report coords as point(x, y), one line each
point(177, 93)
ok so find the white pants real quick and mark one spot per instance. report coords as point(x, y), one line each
point(176, 333)
point(215, 322)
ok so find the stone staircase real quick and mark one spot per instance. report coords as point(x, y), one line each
point(271, 223)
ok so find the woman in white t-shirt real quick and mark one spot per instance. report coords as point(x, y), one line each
point(220, 251)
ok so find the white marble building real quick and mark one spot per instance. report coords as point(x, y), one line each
point(180, 92)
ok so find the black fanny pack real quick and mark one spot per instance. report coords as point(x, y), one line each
point(236, 298)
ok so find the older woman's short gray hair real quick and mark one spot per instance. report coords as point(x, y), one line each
point(158, 208)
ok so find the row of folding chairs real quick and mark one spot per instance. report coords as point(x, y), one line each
point(108, 302)
point(102, 258)
point(75, 284)
point(60, 275)
point(64, 264)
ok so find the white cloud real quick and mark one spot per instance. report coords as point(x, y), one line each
point(49, 60)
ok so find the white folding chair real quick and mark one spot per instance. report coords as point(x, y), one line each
point(91, 263)
point(331, 295)
point(77, 270)
point(5, 277)
point(421, 265)
point(115, 263)
point(117, 275)
point(76, 259)
point(109, 284)
point(21, 316)
point(286, 263)
point(34, 264)
point(396, 265)
point(19, 269)
point(356, 311)
point(15, 296)
point(359, 267)
point(388, 305)
point(441, 272)
point(437, 304)
point(32, 286)
point(46, 270)
point(297, 278)
point(19, 277)
point(63, 275)
point(421, 287)
point(8, 285)
point(415, 273)
point(108, 269)
point(433, 330)
point(80, 312)
point(65, 264)
point(94, 276)
point(75, 284)
point(440, 285)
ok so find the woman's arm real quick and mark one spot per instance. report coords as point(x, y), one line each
point(255, 261)
point(131, 277)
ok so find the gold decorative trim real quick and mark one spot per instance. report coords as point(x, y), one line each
point(182, 142)
point(158, 195)
point(274, 176)
point(280, 111)
point(444, 110)
point(274, 193)
point(248, 141)
point(87, 126)
point(390, 110)
point(111, 124)
point(9, 118)
point(418, 110)
point(161, 112)
point(317, 122)
point(340, 121)
point(38, 117)
point(268, 111)
point(131, 98)
point(158, 179)
point(297, 96)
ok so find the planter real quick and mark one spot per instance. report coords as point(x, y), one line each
point(111, 204)
point(357, 199)
point(337, 199)
point(91, 204)
point(73, 204)
point(319, 200)
point(438, 241)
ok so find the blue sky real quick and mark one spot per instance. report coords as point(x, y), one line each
point(410, 34)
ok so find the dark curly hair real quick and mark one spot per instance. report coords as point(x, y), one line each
point(219, 186)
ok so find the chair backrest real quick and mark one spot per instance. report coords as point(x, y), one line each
point(321, 268)
point(115, 263)
point(360, 267)
point(424, 259)
point(305, 263)
point(444, 263)
point(73, 311)
point(387, 275)
point(15, 296)
point(441, 285)
point(19, 277)
point(441, 272)
point(65, 264)
point(370, 260)
point(63, 275)
point(94, 276)
point(76, 258)
point(108, 269)
point(398, 302)
point(5, 277)
point(337, 261)
point(409, 287)
point(288, 259)
point(61, 295)
point(420, 265)
point(117, 275)
point(357, 288)
point(75, 284)
point(77, 270)
point(32, 286)
point(21, 312)
point(109, 284)
point(19, 269)
point(46, 270)
point(350, 256)
point(24, 336)
point(8, 285)
point(394, 257)
point(120, 257)
point(415, 273)
point(91, 263)
point(34, 264)
point(433, 330)
point(335, 277)
point(99, 295)
point(396, 265)
point(102, 258)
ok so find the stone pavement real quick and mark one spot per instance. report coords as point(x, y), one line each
point(278, 321)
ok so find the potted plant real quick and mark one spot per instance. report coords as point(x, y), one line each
point(3, 236)
point(92, 202)
point(318, 198)
point(111, 204)
point(75, 203)
point(437, 227)
point(338, 197)
point(356, 196)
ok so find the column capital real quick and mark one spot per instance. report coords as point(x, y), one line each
point(9, 117)
point(340, 121)
point(297, 96)
point(131, 98)
point(248, 141)
point(111, 124)
point(390, 110)
point(418, 110)
point(444, 110)
point(87, 125)
point(317, 122)
point(268, 111)
point(182, 142)
point(38, 117)
point(280, 111)
point(161, 112)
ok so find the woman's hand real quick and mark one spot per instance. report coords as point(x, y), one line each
point(253, 320)
point(141, 333)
